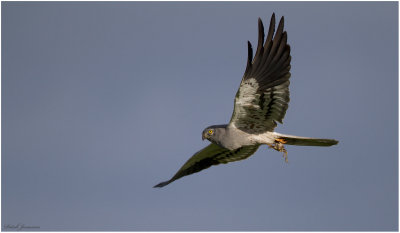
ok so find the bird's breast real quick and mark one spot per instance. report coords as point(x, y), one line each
point(234, 139)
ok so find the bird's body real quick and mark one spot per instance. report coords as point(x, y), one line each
point(228, 135)
point(260, 102)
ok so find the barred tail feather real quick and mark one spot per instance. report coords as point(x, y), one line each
point(305, 141)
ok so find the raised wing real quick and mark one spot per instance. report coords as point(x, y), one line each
point(263, 95)
point(208, 156)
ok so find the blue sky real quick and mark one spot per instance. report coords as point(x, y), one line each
point(101, 101)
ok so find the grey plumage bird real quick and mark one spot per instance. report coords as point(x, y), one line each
point(260, 102)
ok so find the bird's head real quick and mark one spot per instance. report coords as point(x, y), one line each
point(212, 132)
point(208, 133)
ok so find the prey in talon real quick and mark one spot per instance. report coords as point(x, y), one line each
point(279, 146)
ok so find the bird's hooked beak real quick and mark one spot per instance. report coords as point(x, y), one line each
point(205, 136)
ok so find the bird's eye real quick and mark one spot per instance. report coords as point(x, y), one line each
point(210, 132)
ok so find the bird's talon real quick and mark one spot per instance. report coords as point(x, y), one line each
point(281, 140)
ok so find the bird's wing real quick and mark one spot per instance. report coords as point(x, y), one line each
point(263, 95)
point(208, 156)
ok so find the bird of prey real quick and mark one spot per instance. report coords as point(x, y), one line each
point(260, 102)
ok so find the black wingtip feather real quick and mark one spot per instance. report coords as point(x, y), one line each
point(281, 24)
point(271, 30)
point(260, 48)
point(162, 184)
point(260, 29)
point(249, 56)
point(260, 34)
point(250, 50)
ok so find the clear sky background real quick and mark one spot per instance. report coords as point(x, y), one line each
point(101, 101)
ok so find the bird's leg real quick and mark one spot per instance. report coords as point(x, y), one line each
point(279, 146)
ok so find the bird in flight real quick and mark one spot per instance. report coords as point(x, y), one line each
point(260, 102)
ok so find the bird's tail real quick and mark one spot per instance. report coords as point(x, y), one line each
point(304, 141)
